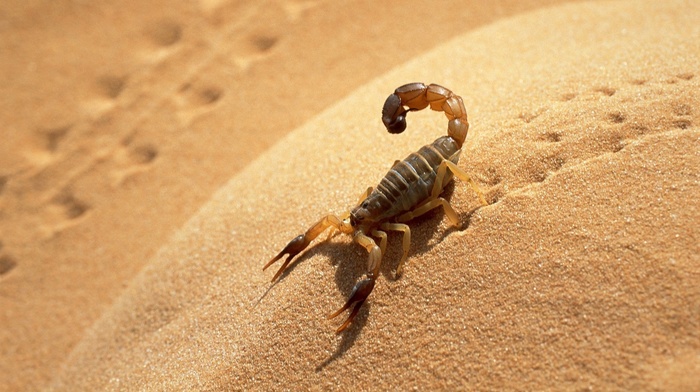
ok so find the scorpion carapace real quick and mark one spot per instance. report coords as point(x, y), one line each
point(411, 188)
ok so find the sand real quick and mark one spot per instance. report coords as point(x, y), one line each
point(156, 156)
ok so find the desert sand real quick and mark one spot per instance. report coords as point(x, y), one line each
point(155, 156)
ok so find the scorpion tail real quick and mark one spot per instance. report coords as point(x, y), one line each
point(418, 96)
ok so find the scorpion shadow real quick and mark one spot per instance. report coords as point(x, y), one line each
point(350, 264)
point(349, 270)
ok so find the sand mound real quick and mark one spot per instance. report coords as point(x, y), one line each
point(121, 119)
point(582, 273)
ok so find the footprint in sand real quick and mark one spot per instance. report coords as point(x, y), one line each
point(132, 157)
point(196, 98)
point(110, 86)
point(253, 48)
point(621, 118)
point(7, 264)
point(62, 211)
point(45, 148)
point(165, 33)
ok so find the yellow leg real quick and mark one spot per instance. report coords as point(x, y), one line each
point(406, 241)
point(364, 195)
point(430, 205)
point(300, 242)
point(335, 230)
point(382, 239)
point(459, 173)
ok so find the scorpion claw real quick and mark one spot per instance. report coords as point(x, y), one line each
point(293, 248)
point(358, 296)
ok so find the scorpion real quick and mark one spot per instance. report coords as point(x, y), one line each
point(411, 188)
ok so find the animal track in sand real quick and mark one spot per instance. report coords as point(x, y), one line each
point(63, 210)
point(616, 117)
point(194, 99)
point(7, 264)
point(263, 43)
point(70, 206)
point(52, 137)
point(193, 96)
point(568, 97)
point(110, 86)
point(131, 158)
point(609, 91)
point(46, 146)
point(254, 48)
point(599, 121)
point(551, 137)
point(165, 33)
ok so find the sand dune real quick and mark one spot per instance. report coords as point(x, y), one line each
point(582, 273)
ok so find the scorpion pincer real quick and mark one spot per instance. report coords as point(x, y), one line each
point(411, 188)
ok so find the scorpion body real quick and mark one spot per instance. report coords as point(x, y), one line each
point(411, 188)
point(410, 181)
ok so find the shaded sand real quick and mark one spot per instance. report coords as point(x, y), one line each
point(583, 273)
point(120, 119)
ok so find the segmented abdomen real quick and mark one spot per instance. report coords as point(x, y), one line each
point(410, 181)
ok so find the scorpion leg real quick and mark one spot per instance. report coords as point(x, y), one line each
point(461, 174)
point(364, 287)
point(406, 241)
point(365, 194)
point(382, 239)
point(300, 242)
point(431, 205)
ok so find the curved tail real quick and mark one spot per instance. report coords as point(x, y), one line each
point(417, 96)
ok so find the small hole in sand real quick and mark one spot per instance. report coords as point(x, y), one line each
point(616, 142)
point(495, 195)
point(52, 137)
point(638, 82)
point(73, 208)
point(492, 176)
point(640, 129)
point(145, 153)
point(264, 43)
point(682, 124)
point(111, 86)
point(165, 33)
point(211, 95)
point(617, 117)
point(7, 264)
point(539, 176)
point(568, 97)
point(609, 91)
point(552, 137)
